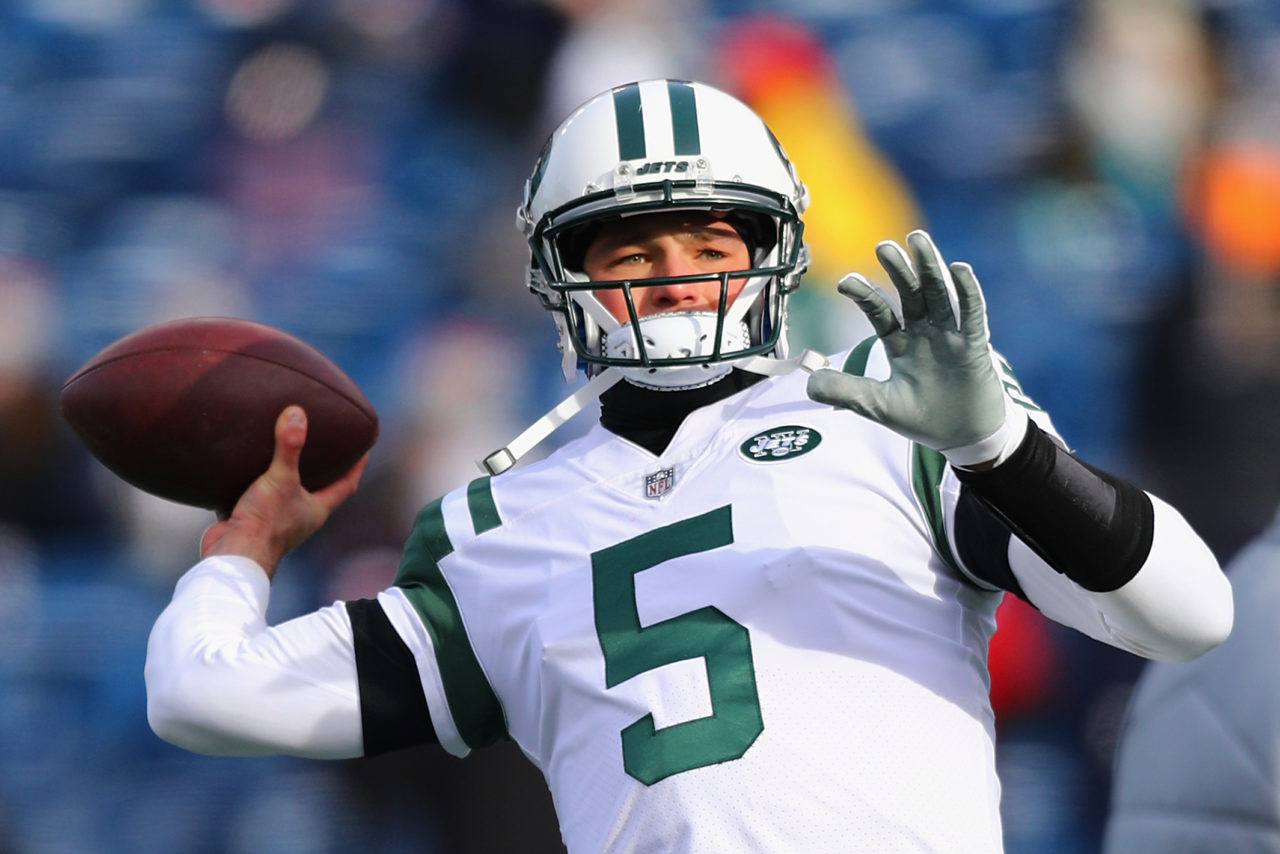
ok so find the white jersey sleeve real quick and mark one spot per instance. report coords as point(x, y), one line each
point(1177, 607)
point(220, 681)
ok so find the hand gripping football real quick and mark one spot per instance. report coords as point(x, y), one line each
point(186, 409)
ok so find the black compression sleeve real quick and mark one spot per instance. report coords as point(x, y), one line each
point(1091, 526)
point(982, 543)
point(393, 709)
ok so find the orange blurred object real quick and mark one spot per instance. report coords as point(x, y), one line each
point(1234, 201)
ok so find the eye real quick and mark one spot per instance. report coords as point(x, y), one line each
point(630, 258)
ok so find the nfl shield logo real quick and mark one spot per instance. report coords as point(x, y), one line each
point(659, 483)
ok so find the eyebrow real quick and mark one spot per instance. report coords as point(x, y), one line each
point(717, 229)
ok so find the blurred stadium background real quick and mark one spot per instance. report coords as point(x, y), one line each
point(348, 170)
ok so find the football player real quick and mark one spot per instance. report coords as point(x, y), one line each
point(748, 610)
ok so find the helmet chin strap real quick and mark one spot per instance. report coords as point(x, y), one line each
point(506, 457)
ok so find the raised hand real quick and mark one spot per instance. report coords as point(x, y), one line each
point(275, 513)
point(943, 390)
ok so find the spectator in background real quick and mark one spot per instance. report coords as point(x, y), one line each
point(43, 472)
point(1198, 768)
point(1213, 401)
point(609, 42)
point(1100, 247)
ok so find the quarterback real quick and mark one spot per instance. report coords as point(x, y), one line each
point(749, 609)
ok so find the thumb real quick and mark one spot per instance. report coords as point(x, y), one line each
point(291, 435)
point(859, 394)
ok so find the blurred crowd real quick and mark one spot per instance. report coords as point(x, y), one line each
point(348, 170)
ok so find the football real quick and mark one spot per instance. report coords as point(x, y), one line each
point(186, 409)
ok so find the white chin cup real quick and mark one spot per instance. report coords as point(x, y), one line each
point(677, 335)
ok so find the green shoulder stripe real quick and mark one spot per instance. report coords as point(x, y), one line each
point(856, 363)
point(484, 513)
point(927, 468)
point(475, 708)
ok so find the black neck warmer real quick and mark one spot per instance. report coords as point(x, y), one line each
point(650, 418)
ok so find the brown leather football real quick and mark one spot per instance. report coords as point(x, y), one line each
point(186, 409)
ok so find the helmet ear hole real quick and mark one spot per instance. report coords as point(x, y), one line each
point(758, 230)
point(575, 242)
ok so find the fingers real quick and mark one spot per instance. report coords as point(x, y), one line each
point(934, 280)
point(872, 303)
point(291, 435)
point(836, 388)
point(342, 488)
point(925, 282)
point(973, 305)
point(276, 513)
point(898, 266)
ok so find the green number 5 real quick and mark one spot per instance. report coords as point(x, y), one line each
point(651, 754)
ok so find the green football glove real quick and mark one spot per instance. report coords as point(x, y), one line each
point(943, 390)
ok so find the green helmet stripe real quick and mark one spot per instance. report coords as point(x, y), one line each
point(684, 117)
point(777, 146)
point(629, 116)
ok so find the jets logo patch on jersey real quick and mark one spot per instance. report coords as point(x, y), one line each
point(780, 443)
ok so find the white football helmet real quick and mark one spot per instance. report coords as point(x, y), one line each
point(660, 145)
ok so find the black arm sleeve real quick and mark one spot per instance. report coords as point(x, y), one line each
point(393, 709)
point(982, 543)
point(1091, 526)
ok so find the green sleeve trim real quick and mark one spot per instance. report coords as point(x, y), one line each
point(475, 708)
point(856, 363)
point(484, 512)
point(1014, 387)
point(927, 469)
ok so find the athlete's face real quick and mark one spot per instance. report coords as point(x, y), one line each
point(666, 244)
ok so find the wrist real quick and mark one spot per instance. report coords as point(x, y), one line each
point(991, 451)
point(234, 541)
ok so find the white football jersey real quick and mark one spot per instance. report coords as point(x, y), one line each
point(759, 640)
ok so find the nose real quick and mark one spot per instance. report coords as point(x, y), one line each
point(685, 296)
